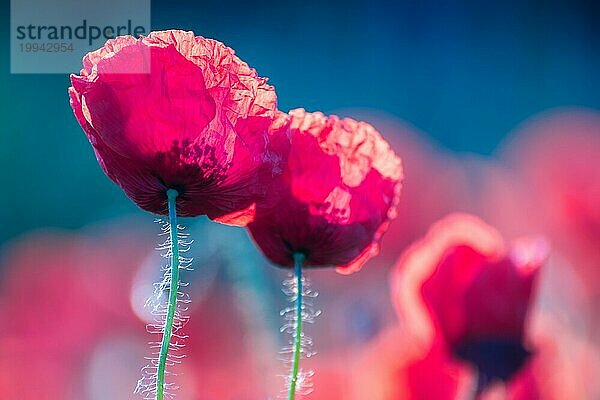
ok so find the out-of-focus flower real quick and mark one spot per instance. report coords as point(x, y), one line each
point(61, 297)
point(336, 196)
point(175, 111)
point(497, 195)
point(463, 298)
point(72, 332)
point(556, 155)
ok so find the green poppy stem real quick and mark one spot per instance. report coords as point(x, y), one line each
point(298, 261)
point(173, 290)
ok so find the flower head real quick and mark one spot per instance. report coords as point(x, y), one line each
point(336, 196)
point(178, 111)
point(467, 293)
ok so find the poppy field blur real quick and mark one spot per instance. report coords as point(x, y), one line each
point(362, 201)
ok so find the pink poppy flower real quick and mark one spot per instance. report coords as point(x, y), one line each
point(463, 292)
point(178, 111)
point(336, 195)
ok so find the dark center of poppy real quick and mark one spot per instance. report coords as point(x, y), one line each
point(495, 359)
point(295, 249)
point(190, 165)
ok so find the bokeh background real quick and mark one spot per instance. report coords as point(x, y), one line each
point(494, 108)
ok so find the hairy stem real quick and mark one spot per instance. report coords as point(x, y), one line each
point(298, 261)
point(173, 289)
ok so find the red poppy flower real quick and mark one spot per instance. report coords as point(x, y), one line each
point(172, 110)
point(466, 294)
point(336, 195)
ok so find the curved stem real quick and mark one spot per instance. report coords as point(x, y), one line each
point(298, 261)
point(173, 289)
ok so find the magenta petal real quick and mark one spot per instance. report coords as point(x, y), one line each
point(336, 196)
point(172, 110)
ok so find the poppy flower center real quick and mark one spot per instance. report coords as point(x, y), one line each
point(188, 164)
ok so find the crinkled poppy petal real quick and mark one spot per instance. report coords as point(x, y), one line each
point(145, 189)
point(336, 196)
point(173, 110)
point(139, 114)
